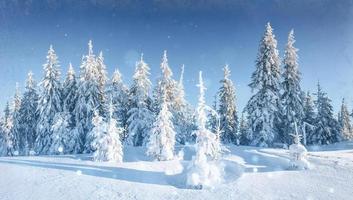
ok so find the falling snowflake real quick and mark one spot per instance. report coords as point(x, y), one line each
point(254, 169)
point(60, 149)
point(331, 190)
point(79, 172)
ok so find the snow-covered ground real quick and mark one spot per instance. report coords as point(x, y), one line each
point(264, 176)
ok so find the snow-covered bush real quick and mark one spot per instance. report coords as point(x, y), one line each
point(297, 153)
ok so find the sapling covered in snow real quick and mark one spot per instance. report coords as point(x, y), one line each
point(106, 143)
point(115, 148)
point(60, 134)
point(298, 153)
point(162, 137)
point(203, 172)
point(99, 143)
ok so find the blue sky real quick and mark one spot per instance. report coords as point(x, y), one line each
point(203, 35)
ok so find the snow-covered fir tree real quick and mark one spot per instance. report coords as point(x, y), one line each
point(263, 109)
point(16, 132)
point(309, 116)
point(60, 134)
point(166, 86)
point(345, 122)
point(291, 97)
point(140, 114)
point(212, 117)
point(99, 142)
point(115, 147)
point(119, 94)
point(70, 94)
point(327, 129)
point(162, 137)
point(227, 109)
point(28, 116)
point(202, 172)
point(102, 78)
point(183, 119)
point(243, 131)
point(90, 98)
point(49, 103)
point(8, 148)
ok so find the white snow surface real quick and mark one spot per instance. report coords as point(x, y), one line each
point(250, 173)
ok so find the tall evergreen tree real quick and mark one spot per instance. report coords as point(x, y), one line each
point(162, 138)
point(309, 115)
point(28, 116)
point(70, 95)
point(345, 122)
point(243, 131)
point(264, 106)
point(227, 109)
point(16, 133)
point(183, 119)
point(89, 98)
point(140, 114)
point(291, 97)
point(119, 94)
point(327, 129)
point(49, 102)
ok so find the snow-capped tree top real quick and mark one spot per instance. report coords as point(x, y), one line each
point(167, 72)
point(90, 47)
point(17, 99)
point(268, 63)
point(30, 83)
point(141, 76)
point(291, 57)
point(226, 71)
point(51, 67)
point(117, 78)
point(201, 104)
point(181, 79)
point(70, 73)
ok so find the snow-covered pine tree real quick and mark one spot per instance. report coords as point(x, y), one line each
point(89, 99)
point(7, 123)
point(263, 109)
point(345, 122)
point(49, 103)
point(183, 119)
point(327, 129)
point(115, 147)
point(227, 109)
point(140, 114)
point(16, 133)
point(102, 78)
point(212, 118)
point(291, 97)
point(60, 134)
point(166, 86)
point(309, 116)
point(99, 142)
point(70, 95)
point(243, 131)
point(162, 137)
point(28, 116)
point(119, 94)
point(202, 172)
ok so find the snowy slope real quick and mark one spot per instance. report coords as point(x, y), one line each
point(264, 176)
